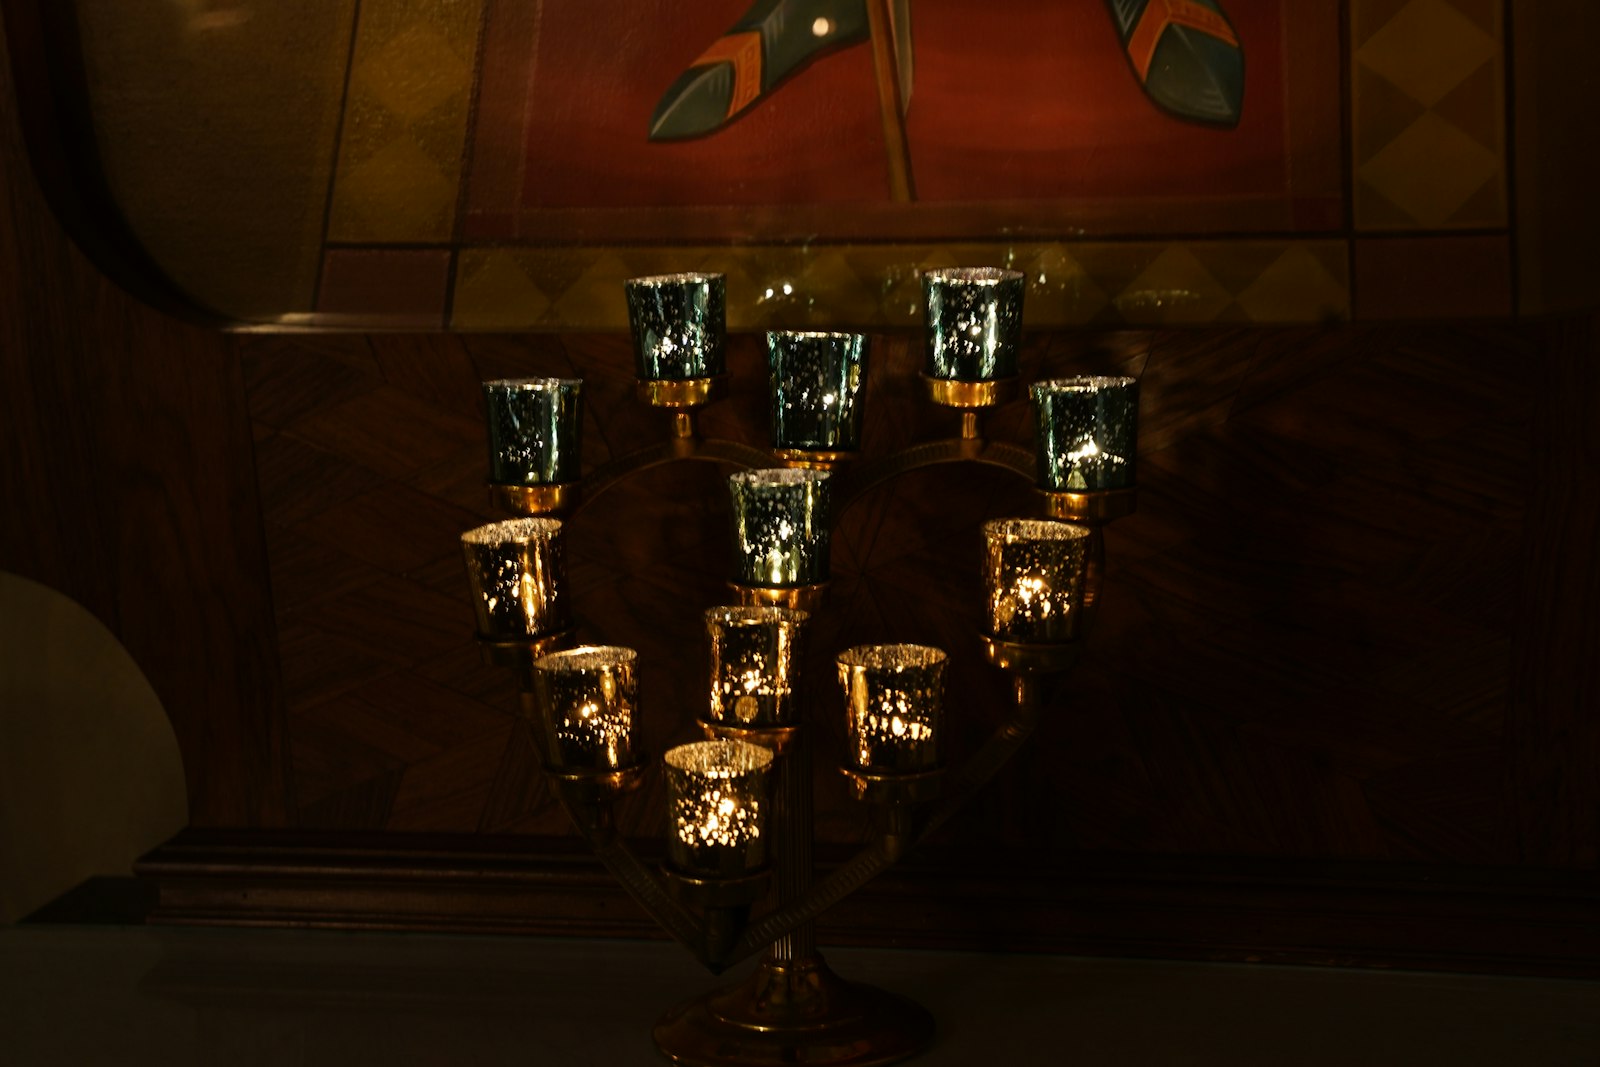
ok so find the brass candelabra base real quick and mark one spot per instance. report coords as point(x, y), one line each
point(794, 1012)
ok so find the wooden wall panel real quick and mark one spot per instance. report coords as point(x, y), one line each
point(1309, 628)
point(128, 485)
point(1352, 620)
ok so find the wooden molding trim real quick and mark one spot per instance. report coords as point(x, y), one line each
point(1223, 909)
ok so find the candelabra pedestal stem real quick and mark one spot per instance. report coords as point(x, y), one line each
point(792, 863)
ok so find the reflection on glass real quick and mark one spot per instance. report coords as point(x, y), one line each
point(817, 384)
point(894, 704)
point(586, 699)
point(717, 808)
point(780, 527)
point(973, 321)
point(534, 428)
point(1033, 572)
point(679, 325)
point(1087, 430)
point(518, 573)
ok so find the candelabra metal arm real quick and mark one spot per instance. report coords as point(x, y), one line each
point(609, 474)
point(882, 853)
point(648, 891)
point(861, 869)
point(984, 764)
point(859, 481)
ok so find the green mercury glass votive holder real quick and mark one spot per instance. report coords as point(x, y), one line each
point(718, 797)
point(973, 320)
point(756, 654)
point(894, 707)
point(587, 699)
point(679, 325)
point(818, 385)
point(780, 527)
point(1034, 575)
point(1087, 433)
point(535, 427)
point(518, 573)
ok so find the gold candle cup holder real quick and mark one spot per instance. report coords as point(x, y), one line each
point(682, 393)
point(557, 498)
point(1094, 507)
point(807, 598)
point(807, 459)
point(718, 802)
point(1020, 657)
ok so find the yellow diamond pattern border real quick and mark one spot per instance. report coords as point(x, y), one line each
point(404, 135)
point(1428, 110)
point(1070, 284)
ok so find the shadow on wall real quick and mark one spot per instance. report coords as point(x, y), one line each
point(90, 775)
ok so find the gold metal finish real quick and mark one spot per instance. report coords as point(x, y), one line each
point(895, 788)
point(1098, 506)
point(601, 784)
point(521, 653)
point(815, 461)
point(683, 392)
point(794, 1012)
point(777, 738)
point(951, 393)
point(1041, 659)
point(554, 499)
point(718, 892)
point(809, 598)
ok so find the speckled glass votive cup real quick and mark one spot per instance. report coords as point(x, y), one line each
point(717, 803)
point(1086, 433)
point(679, 325)
point(818, 383)
point(535, 427)
point(756, 654)
point(518, 573)
point(973, 320)
point(1033, 573)
point(894, 707)
point(780, 527)
point(587, 699)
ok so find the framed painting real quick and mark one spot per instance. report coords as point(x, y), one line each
point(503, 165)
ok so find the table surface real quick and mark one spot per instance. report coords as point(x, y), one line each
point(145, 995)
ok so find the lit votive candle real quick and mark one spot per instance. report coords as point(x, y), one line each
point(780, 527)
point(973, 321)
point(679, 325)
point(894, 706)
point(1034, 572)
point(534, 430)
point(818, 382)
point(518, 573)
point(586, 698)
point(1087, 433)
point(717, 801)
point(755, 663)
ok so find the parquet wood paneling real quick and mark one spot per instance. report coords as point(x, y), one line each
point(128, 483)
point(1308, 632)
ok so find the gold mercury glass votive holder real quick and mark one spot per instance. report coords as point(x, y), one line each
point(894, 706)
point(718, 797)
point(587, 699)
point(1036, 577)
point(517, 569)
point(756, 652)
